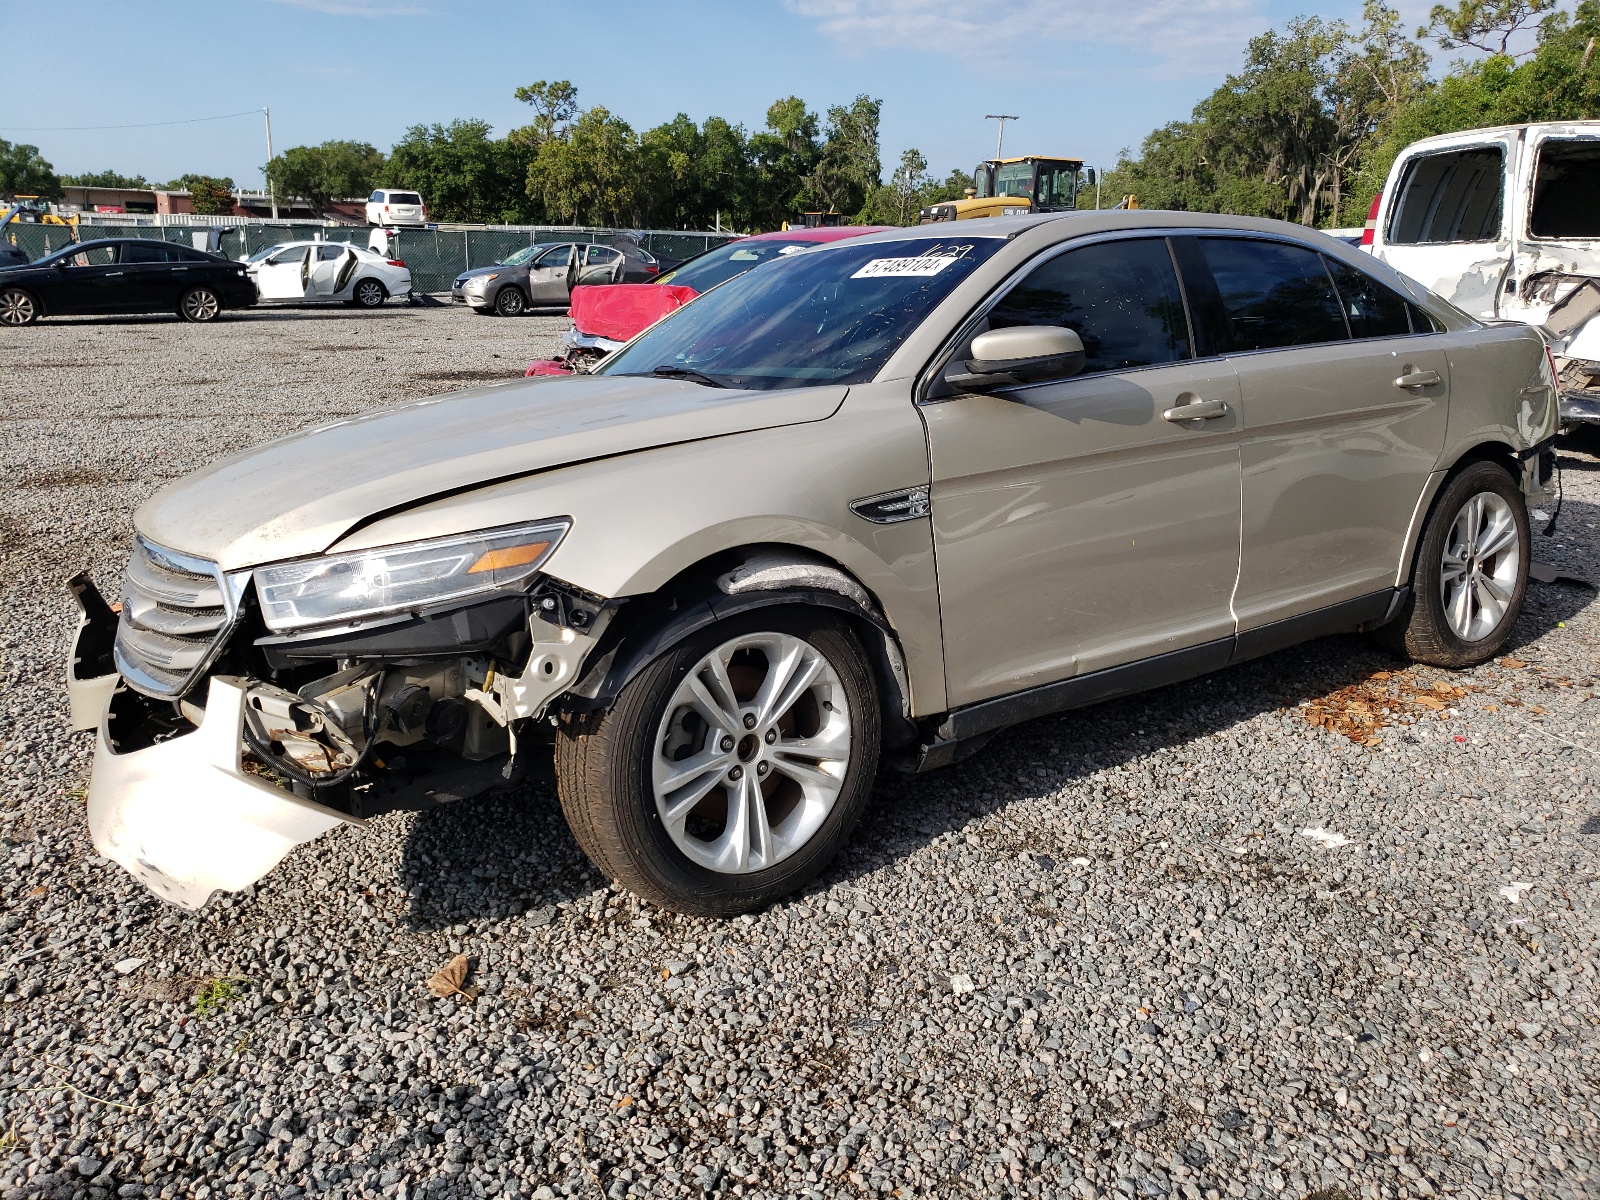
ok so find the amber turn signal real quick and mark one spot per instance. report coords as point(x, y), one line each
point(508, 556)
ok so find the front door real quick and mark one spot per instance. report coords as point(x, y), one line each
point(1343, 419)
point(1084, 523)
point(90, 282)
point(547, 276)
point(284, 275)
point(1447, 226)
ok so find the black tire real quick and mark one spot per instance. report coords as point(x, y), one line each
point(1422, 631)
point(369, 293)
point(603, 770)
point(509, 301)
point(18, 308)
point(200, 304)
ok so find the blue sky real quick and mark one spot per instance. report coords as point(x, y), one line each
point(1087, 77)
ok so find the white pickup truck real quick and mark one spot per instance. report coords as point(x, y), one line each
point(1505, 223)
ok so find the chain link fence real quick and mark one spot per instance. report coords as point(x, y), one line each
point(435, 256)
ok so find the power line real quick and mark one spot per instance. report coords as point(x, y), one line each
point(249, 112)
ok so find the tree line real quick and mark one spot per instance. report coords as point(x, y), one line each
point(1307, 130)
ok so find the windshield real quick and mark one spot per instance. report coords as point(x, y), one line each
point(264, 252)
point(832, 316)
point(705, 271)
point(521, 256)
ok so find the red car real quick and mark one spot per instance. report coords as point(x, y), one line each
point(603, 318)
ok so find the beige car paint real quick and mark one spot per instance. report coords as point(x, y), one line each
point(1076, 528)
point(1334, 455)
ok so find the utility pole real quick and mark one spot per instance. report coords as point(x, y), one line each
point(1000, 139)
point(271, 191)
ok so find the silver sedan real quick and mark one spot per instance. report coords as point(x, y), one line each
point(544, 276)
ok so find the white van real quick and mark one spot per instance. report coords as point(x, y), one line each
point(392, 207)
point(1505, 223)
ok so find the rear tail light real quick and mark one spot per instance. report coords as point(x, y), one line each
point(1550, 361)
point(1370, 228)
point(385, 208)
point(397, 262)
point(651, 270)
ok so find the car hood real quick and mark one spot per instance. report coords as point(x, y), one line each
point(300, 494)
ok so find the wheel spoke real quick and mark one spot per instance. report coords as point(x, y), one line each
point(1496, 589)
point(788, 676)
point(1459, 609)
point(693, 771)
point(721, 711)
point(1496, 539)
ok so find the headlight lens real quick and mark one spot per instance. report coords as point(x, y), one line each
point(346, 587)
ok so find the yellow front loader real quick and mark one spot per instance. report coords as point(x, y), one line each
point(1013, 187)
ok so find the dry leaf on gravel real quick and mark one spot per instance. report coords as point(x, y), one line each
point(1383, 698)
point(1512, 664)
point(450, 980)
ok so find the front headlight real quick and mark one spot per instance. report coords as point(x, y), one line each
point(345, 587)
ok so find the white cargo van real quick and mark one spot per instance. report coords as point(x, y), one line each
point(1505, 222)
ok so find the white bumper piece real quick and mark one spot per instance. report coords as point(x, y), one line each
point(183, 818)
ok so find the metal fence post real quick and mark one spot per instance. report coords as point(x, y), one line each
point(466, 248)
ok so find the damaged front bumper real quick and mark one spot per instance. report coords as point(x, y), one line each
point(183, 818)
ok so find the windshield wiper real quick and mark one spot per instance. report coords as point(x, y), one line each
point(688, 373)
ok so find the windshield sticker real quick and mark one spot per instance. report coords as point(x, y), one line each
point(903, 268)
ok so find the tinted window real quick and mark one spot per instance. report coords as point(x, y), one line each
point(1370, 307)
point(404, 198)
point(559, 257)
point(330, 252)
point(294, 254)
point(189, 256)
point(595, 255)
point(1423, 322)
point(145, 252)
point(1120, 297)
point(834, 316)
point(1273, 294)
point(1453, 197)
point(1566, 189)
point(89, 256)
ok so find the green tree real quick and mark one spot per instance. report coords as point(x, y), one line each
point(23, 171)
point(105, 179)
point(554, 107)
point(590, 177)
point(849, 167)
point(784, 159)
point(462, 173)
point(319, 174)
point(209, 195)
point(1487, 25)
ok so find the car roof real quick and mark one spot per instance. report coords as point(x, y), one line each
point(1086, 221)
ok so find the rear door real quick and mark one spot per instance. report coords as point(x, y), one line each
point(148, 276)
point(1343, 419)
point(1083, 524)
point(284, 275)
point(1446, 225)
point(1556, 218)
point(331, 265)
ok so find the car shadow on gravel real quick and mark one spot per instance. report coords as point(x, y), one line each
point(510, 853)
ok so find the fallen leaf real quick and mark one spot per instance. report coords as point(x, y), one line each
point(41, 890)
point(1491, 708)
point(1537, 709)
point(625, 1102)
point(1512, 664)
point(1444, 687)
point(449, 979)
point(1381, 675)
point(1430, 702)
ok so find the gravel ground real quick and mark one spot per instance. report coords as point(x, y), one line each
point(1100, 958)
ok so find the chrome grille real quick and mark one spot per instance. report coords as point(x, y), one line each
point(175, 612)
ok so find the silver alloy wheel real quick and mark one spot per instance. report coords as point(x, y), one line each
point(508, 301)
point(1481, 561)
point(751, 753)
point(16, 308)
point(200, 304)
point(369, 293)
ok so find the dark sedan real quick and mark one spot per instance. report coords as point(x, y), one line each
point(124, 275)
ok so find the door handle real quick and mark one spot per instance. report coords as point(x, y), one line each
point(1199, 410)
point(113, 274)
point(1413, 378)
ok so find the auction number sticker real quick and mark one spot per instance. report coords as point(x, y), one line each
point(904, 268)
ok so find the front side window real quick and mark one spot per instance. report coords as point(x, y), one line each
point(1121, 298)
point(557, 258)
point(145, 252)
point(1451, 197)
point(1566, 190)
point(1057, 186)
point(804, 320)
point(1372, 309)
point(1273, 294)
point(291, 254)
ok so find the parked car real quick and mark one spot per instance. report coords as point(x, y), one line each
point(124, 275)
point(327, 273)
point(603, 320)
point(544, 276)
point(1504, 223)
point(396, 208)
point(876, 501)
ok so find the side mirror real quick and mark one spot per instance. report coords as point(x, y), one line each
point(1020, 354)
point(1091, 176)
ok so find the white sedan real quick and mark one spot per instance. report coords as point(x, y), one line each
point(323, 272)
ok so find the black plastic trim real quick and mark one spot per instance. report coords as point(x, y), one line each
point(1373, 608)
point(460, 629)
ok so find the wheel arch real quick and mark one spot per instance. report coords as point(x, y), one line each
point(739, 580)
point(1502, 454)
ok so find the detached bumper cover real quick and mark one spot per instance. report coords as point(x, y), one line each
point(1580, 408)
point(183, 818)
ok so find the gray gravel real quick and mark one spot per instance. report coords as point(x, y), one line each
point(1100, 958)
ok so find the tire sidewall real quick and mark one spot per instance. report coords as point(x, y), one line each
point(183, 305)
point(1428, 588)
point(644, 700)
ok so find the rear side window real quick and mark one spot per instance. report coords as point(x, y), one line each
point(1120, 297)
point(141, 252)
point(1273, 294)
point(329, 252)
point(1372, 309)
point(1451, 197)
point(1566, 190)
point(376, 198)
